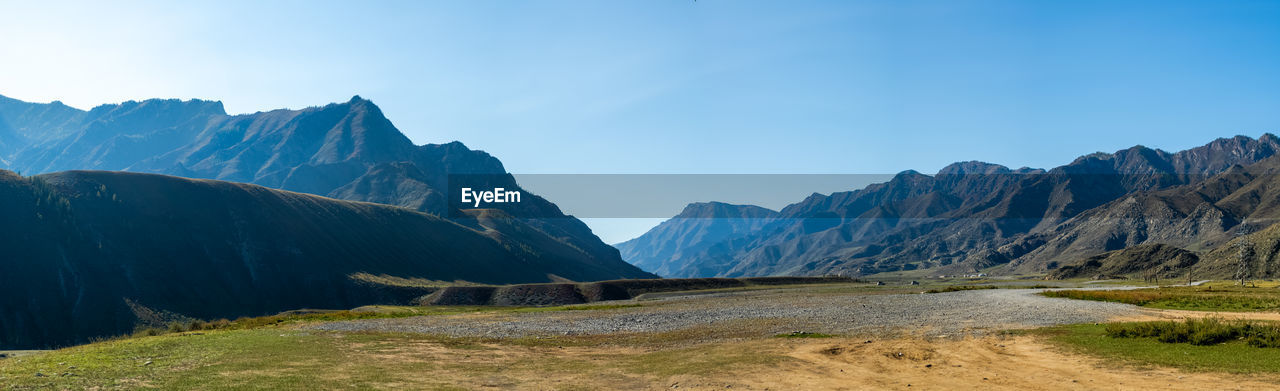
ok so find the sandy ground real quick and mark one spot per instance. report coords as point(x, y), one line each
point(1017, 363)
point(979, 363)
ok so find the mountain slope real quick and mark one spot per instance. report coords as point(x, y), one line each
point(1197, 216)
point(1160, 260)
point(88, 251)
point(665, 249)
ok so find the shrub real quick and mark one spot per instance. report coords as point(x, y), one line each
point(1203, 332)
point(1264, 336)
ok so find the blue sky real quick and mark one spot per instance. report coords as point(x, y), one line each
point(713, 86)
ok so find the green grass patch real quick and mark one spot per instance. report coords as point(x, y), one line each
point(1197, 298)
point(223, 359)
point(366, 312)
point(1234, 356)
point(306, 316)
point(1207, 331)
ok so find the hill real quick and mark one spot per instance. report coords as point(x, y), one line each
point(1139, 261)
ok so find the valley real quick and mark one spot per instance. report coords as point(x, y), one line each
point(639, 195)
point(829, 336)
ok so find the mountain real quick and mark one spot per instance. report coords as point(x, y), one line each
point(969, 216)
point(665, 249)
point(92, 253)
point(1260, 252)
point(1199, 216)
point(347, 150)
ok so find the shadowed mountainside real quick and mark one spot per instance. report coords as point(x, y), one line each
point(92, 253)
point(1139, 261)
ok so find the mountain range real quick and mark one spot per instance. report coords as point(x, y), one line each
point(347, 151)
point(975, 216)
point(285, 207)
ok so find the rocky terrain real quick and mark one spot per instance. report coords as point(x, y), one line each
point(767, 313)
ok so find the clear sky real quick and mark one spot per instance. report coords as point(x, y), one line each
point(712, 86)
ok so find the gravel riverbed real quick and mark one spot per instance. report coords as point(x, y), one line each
point(772, 312)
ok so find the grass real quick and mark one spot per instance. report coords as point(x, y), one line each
point(1207, 331)
point(292, 358)
point(1232, 356)
point(303, 316)
point(366, 312)
point(1198, 298)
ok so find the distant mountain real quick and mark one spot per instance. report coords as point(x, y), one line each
point(969, 216)
point(665, 249)
point(348, 151)
point(92, 253)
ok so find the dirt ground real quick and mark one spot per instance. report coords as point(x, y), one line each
point(922, 361)
point(1014, 363)
point(981, 363)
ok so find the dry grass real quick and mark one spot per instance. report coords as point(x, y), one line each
point(1200, 298)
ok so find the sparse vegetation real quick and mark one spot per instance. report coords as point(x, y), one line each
point(1200, 298)
point(1206, 331)
point(1233, 356)
point(367, 312)
point(957, 288)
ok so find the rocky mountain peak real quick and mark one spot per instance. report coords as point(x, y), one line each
point(973, 167)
